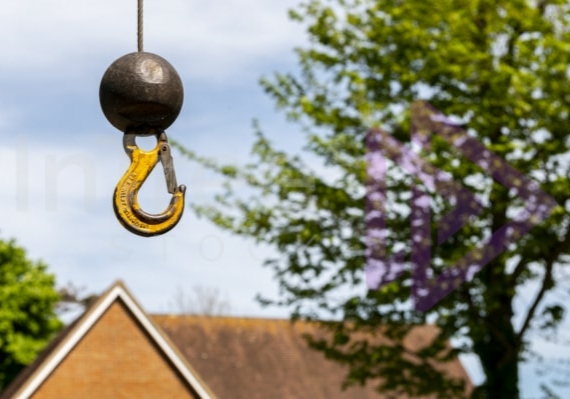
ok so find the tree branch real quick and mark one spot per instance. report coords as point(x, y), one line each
point(547, 282)
point(546, 285)
point(519, 268)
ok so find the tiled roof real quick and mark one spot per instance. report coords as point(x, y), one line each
point(247, 358)
point(224, 357)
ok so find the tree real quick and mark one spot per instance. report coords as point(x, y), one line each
point(500, 68)
point(73, 298)
point(205, 301)
point(28, 300)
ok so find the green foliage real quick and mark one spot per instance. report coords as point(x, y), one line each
point(501, 68)
point(27, 310)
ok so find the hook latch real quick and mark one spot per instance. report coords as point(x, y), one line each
point(125, 201)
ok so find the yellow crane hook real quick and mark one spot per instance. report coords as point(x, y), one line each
point(125, 203)
point(141, 94)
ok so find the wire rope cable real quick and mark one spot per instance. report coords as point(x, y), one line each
point(140, 26)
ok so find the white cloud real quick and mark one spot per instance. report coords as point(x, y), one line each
point(220, 39)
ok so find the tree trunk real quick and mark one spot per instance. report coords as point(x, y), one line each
point(496, 341)
point(500, 364)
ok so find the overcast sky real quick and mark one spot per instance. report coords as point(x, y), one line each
point(60, 159)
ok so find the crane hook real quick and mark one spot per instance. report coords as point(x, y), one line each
point(125, 203)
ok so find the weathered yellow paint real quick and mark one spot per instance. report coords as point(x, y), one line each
point(125, 203)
